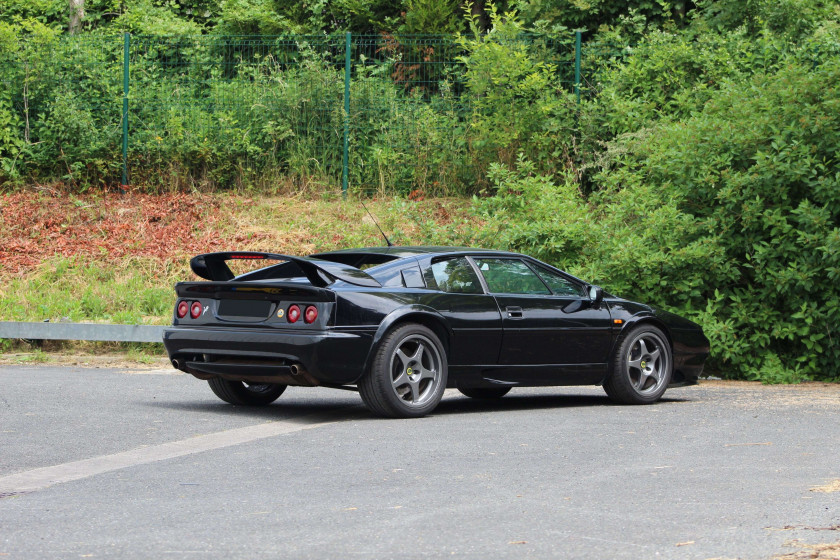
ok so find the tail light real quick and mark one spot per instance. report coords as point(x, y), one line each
point(310, 314)
point(182, 309)
point(195, 310)
point(293, 313)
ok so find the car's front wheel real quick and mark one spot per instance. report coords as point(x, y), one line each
point(641, 367)
point(407, 375)
point(246, 394)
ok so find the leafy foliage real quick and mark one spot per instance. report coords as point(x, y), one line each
point(431, 16)
point(757, 174)
point(251, 17)
point(515, 100)
point(146, 17)
point(598, 14)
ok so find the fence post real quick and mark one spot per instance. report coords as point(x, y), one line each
point(577, 66)
point(126, 48)
point(346, 152)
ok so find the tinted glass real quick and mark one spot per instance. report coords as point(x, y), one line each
point(455, 275)
point(412, 278)
point(560, 285)
point(510, 276)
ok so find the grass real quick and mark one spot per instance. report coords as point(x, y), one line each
point(85, 353)
point(132, 291)
point(37, 356)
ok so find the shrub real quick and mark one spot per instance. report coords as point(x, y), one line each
point(755, 178)
point(534, 214)
point(514, 98)
point(670, 75)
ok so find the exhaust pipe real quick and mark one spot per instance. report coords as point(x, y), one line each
point(178, 364)
point(297, 369)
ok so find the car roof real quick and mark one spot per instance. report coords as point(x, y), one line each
point(398, 252)
point(387, 257)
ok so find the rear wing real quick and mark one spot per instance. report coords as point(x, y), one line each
point(213, 266)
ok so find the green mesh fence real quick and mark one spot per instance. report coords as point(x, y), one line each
point(234, 110)
point(410, 107)
point(365, 112)
point(406, 98)
point(596, 58)
point(60, 109)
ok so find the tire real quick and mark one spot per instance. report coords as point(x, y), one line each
point(641, 367)
point(407, 375)
point(246, 394)
point(487, 393)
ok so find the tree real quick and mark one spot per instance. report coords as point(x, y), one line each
point(77, 14)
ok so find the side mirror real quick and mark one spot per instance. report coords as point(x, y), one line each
point(596, 294)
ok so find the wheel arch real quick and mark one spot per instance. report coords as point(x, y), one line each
point(677, 374)
point(420, 314)
point(635, 322)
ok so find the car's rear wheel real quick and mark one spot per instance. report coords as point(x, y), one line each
point(246, 394)
point(487, 393)
point(641, 367)
point(407, 375)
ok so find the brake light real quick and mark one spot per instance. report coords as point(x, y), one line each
point(310, 314)
point(195, 310)
point(293, 314)
point(182, 309)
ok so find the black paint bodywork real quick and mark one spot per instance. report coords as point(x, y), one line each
point(491, 340)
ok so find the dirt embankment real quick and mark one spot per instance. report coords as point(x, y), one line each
point(103, 226)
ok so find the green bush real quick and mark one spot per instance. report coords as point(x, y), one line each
point(790, 19)
point(671, 75)
point(511, 93)
point(534, 214)
point(147, 17)
point(755, 178)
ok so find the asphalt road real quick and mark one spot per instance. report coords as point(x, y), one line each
point(105, 463)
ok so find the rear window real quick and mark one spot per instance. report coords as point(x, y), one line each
point(285, 271)
point(362, 261)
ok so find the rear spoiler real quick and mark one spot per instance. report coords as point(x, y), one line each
point(213, 266)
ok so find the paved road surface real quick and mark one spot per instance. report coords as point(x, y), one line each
point(103, 463)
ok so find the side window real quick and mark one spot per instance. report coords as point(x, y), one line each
point(560, 285)
point(510, 276)
point(411, 277)
point(454, 275)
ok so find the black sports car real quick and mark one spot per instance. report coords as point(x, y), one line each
point(401, 324)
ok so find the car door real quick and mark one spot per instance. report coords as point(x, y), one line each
point(547, 318)
point(473, 315)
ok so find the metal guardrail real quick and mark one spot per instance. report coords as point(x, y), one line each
point(81, 331)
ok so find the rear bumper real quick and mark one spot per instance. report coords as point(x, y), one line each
point(330, 357)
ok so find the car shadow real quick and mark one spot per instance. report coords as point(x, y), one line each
point(314, 411)
point(466, 405)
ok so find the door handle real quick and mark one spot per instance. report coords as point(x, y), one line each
point(514, 312)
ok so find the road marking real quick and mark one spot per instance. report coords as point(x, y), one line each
point(41, 478)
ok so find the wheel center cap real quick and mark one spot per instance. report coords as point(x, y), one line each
point(409, 371)
point(644, 364)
